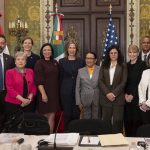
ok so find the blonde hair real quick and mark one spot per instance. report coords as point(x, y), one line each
point(134, 48)
point(22, 54)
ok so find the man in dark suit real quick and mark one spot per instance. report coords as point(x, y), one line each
point(145, 48)
point(6, 62)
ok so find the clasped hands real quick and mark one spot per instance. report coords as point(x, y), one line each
point(128, 98)
point(144, 107)
point(111, 96)
point(26, 101)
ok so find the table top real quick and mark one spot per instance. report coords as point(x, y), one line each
point(31, 141)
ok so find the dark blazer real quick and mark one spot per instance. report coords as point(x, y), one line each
point(68, 74)
point(140, 56)
point(8, 62)
point(31, 60)
point(117, 87)
point(134, 77)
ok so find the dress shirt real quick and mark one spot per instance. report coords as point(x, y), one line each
point(143, 55)
point(2, 61)
point(112, 72)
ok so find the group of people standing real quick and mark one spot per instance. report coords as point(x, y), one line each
point(115, 91)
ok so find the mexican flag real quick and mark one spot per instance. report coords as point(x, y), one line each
point(57, 38)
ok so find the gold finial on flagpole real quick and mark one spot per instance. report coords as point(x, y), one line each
point(110, 8)
point(56, 8)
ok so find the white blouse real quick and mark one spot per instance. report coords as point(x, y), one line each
point(143, 86)
point(112, 72)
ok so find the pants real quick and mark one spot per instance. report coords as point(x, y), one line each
point(91, 112)
point(115, 115)
point(2, 101)
point(70, 109)
point(145, 116)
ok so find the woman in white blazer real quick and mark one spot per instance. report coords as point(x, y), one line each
point(87, 89)
point(144, 94)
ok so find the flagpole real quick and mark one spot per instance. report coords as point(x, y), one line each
point(110, 8)
point(56, 8)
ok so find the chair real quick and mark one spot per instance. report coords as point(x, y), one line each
point(90, 126)
point(143, 131)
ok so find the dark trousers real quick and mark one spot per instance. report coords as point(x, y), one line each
point(115, 115)
point(132, 119)
point(145, 116)
point(131, 127)
point(2, 108)
point(9, 108)
point(70, 109)
point(2, 101)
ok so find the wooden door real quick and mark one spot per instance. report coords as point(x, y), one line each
point(90, 19)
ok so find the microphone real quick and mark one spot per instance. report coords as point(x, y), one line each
point(54, 147)
point(57, 129)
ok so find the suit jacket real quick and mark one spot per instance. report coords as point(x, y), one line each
point(8, 63)
point(140, 55)
point(117, 87)
point(14, 84)
point(87, 89)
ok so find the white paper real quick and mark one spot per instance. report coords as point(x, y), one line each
point(89, 140)
point(9, 137)
point(68, 139)
point(112, 139)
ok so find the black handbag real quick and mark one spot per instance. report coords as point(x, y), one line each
point(27, 123)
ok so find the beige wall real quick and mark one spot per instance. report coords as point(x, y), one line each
point(28, 10)
point(2, 12)
point(144, 17)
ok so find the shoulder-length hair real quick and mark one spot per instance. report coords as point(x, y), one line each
point(41, 50)
point(107, 60)
point(67, 46)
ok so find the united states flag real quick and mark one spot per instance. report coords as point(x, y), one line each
point(111, 36)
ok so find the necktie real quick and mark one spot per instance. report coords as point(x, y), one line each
point(145, 57)
point(1, 75)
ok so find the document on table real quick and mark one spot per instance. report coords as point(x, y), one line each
point(112, 140)
point(65, 139)
point(10, 137)
point(89, 140)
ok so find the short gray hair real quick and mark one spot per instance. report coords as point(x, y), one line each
point(20, 53)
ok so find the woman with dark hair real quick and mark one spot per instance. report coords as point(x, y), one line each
point(135, 66)
point(68, 72)
point(113, 76)
point(87, 88)
point(47, 78)
point(27, 44)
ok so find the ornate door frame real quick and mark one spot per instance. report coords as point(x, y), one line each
point(133, 21)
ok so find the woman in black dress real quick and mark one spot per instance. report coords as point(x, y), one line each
point(68, 72)
point(47, 80)
point(135, 67)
